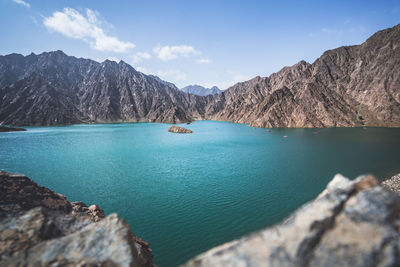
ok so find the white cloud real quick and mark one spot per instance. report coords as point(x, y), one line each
point(139, 56)
point(174, 75)
point(166, 53)
point(20, 2)
point(143, 70)
point(204, 61)
point(74, 25)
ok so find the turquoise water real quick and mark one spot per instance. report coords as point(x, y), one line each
point(187, 193)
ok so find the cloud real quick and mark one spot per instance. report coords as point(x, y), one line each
point(139, 56)
point(143, 70)
point(166, 53)
point(203, 61)
point(174, 75)
point(74, 25)
point(20, 2)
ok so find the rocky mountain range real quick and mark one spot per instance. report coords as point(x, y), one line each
point(346, 87)
point(200, 90)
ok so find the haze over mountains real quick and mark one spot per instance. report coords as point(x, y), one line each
point(348, 86)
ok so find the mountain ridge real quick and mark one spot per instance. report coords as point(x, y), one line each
point(350, 86)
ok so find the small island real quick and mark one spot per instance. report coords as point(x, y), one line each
point(178, 129)
point(10, 129)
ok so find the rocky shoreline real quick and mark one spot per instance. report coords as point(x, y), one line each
point(39, 227)
point(10, 129)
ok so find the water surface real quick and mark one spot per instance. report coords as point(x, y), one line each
point(185, 193)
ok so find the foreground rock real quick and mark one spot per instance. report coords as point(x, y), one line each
point(10, 129)
point(39, 227)
point(177, 129)
point(351, 223)
point(392, 184)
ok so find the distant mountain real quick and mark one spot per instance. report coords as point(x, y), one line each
point(346, 87)
point(163, 82)
point(200, 90)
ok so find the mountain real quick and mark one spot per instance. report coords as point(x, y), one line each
point(200, 90)
point(53, 88)
point(346, 87)
point(163, 82)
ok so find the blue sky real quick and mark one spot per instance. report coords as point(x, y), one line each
point(209, 43)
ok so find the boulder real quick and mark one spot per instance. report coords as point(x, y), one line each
point(351, 223)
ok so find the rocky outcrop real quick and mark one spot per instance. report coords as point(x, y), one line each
point(392, 184)
point(39, 227)
point(351, 223)
point(10, 129)
point(177, 129)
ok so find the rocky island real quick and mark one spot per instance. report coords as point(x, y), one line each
point(177, 129)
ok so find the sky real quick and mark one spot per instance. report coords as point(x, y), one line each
point(208, 42)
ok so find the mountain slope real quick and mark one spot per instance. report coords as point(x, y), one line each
point(53, 88)
point(200, 90)
point(347, 86)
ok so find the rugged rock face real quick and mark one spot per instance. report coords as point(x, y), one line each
point(345, 87)
point(392, 184)
point(348, 86)
point(39, 227)
point(53, 88)
point(200, 90)
point(11, 129)
point(351, 223)
point(177, 129)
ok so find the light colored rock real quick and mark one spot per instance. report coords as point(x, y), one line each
point(39, 227)
point(352, 223)
point(178, 129)
point(393, 183)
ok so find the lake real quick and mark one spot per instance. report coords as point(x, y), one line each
point(186, 193)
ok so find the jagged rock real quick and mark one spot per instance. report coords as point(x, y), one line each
point(177, 129)
point(10, 129)
point(351, 223)
point(393, 183)
point(39, 227)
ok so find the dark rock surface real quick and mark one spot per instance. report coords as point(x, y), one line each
point(39, 227)
point(177, 129)
point(351, 223)
point(11, 129)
